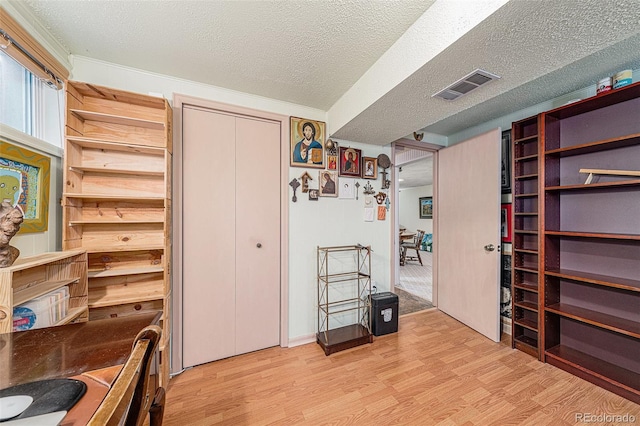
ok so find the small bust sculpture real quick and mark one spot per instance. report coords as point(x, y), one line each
point(10, 219)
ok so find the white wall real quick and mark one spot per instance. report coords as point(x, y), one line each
point(409, 212)
point(326, 222)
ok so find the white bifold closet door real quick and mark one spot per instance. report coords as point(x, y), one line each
point(231, 234)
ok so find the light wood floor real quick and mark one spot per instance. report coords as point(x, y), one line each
point(434, 371)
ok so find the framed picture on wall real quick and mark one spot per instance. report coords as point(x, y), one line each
point(350, 159)
point(307, 143)
point(506, 161)
point(25, 177)
point(369, 168)
point(505, 227)
point(328, 183)
point(426, 207)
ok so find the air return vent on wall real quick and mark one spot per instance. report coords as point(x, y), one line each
point(465, 85)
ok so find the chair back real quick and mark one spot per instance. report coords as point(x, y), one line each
point(418, 239)
point(129, 400)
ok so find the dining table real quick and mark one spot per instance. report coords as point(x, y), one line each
point(92, 352)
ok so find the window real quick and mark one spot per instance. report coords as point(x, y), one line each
point(29, 104)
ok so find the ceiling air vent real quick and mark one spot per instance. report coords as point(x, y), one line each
point(465, 85)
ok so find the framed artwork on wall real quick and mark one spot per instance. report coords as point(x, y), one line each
point(26, 175)
point(328, 183)
point(369, 168)
point(426, 207)
point(307, 143)
point(350, 159)
point(506, 161)
point(505, 227)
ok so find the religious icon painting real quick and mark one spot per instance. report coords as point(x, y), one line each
point(307, 143)
point(350, 161)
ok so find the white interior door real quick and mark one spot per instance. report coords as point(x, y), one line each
point(257, 234)
point(468, 215)
point(209, 236)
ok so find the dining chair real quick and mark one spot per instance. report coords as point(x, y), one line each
point(413, 245)
point(129, 401)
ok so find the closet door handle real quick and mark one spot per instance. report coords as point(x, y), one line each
point(489, 247)
point(259, 245)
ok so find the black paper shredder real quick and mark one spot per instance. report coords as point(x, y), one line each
point(384, 308)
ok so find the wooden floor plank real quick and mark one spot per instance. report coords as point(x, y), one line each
point(434, 371)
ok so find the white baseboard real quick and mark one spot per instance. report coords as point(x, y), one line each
point(506, 325)
point(302, 340)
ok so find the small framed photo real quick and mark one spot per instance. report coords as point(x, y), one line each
point(505, 228)
point(369, 168)
point(350, 160)
point(328, 183)
point(307, 143)
point(313, 194)
point(332, 162)
point(426, 207)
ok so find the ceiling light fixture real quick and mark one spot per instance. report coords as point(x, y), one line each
point(465, 85)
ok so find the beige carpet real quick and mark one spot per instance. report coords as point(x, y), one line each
point(409, 303)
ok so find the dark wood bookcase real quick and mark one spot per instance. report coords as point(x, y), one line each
point(590, 255)
point(526, 296)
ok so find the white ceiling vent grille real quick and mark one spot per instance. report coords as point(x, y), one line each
point(465, 85)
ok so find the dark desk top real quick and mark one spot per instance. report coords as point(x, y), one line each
point(68, 350)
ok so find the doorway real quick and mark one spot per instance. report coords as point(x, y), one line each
point(414, 189)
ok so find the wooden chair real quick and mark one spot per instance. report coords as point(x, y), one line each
point(413, 245)
point(129, 401)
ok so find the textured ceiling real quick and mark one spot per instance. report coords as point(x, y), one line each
point(300, 51)
point(311, 52)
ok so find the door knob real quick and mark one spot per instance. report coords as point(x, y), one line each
point(489, 247)
point(259, 245)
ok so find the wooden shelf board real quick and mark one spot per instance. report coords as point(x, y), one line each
point(112, 222)
point(586, 187)
point(528, 195)
point(603, 280)
point(527, 305)
point(122, 249)
point(526, 158)
point(82, 169)
point(343, 338)
point(117, 119)
point(601, 145)
point(526, 344)
point(42, 259)
point(598, 101)
point(115, 146)
point(520, 250)
point(123, 299)
point(531, 138)
point(22, 296)
point(530, 324)
point(111, 197)
point(72, 314)
point(120, 272)
point(520, 268)
point(526, 231)
point(527, 177)
point(532, 287)
point(598, 319)
point(526, 213)
point(597, 367)
point(599, 235)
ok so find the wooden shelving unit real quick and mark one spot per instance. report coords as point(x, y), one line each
point(592, 241)
point(526, 312)
point(117, 200)
point(31, 277)
point(344, 297)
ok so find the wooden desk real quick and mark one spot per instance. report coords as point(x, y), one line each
point(92, 351)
